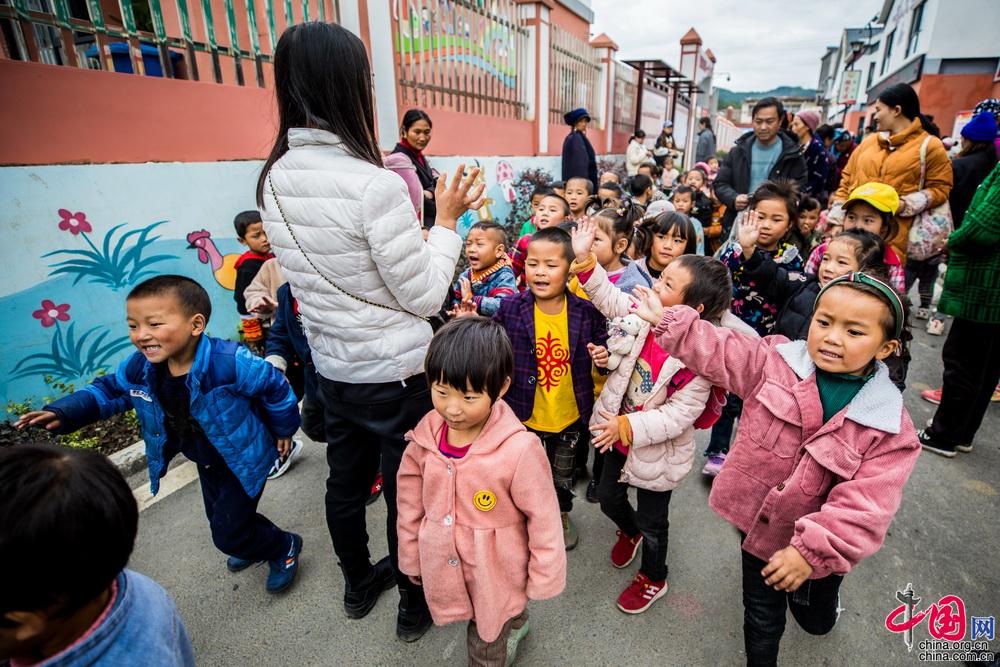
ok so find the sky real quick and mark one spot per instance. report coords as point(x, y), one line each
point(760, 43)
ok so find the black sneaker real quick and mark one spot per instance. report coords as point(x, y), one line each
point(592, 492)
point(414, 618)
point(939, 448)
point(360, 600)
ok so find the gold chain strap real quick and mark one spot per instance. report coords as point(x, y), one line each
point(337, 287)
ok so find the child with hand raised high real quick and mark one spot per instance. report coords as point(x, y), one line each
point(823, 450)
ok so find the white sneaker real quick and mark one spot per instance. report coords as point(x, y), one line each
point(935, 327)
point(923, 313)
point(283, 463)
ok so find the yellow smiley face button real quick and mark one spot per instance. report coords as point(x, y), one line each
point(484, 501)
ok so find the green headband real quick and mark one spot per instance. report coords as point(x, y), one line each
point(884, 289)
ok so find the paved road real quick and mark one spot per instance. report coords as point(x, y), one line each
point(945, 541)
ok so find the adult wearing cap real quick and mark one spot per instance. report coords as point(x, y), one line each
point(804, 126)
point(665, 145)
point(971, 353)
point(578, 157)
point(892, 156)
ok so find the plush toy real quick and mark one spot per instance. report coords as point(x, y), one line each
point(621, 336)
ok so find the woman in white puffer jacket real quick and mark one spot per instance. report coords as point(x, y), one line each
point(347, 238)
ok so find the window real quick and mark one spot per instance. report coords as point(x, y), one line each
point(871, 75)
point(915, 25)
point(888, 52)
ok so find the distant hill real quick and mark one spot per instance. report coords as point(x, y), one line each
point(735, 99)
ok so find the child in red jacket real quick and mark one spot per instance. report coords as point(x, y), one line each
point(478, 523)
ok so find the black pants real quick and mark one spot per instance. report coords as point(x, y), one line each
point(583, 450)
point(363, 423)
point(924, 273)
point(971, 356)
point(237, 529)
point(561, 451)
point(649, 517)
point(813, 605)
point(722, 430)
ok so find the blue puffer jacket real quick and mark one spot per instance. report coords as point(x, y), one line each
point(242, 403)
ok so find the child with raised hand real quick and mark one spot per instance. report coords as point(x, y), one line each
point(660, 239)
point(578, 192)
point(478, 518)
point(552, 332)
point(68, 522)
point(645, 417)
point(551, 211)
point(489, 277)
point(225, 409)
point(822, 452)
point(871, 207)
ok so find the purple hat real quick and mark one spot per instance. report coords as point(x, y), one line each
point(810, 118)
point(982, 127)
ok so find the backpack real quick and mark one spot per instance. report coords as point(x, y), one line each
point(713, 407)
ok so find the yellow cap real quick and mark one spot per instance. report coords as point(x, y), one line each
point(883, 197)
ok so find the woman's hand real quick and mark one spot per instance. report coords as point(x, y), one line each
point(605, 435)
point(648, 305)
point(42, 418)
point(748, 232)
point(583, 239)
point(455, 198)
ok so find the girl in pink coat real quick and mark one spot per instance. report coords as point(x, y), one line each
point(478, 521)
point(823, 450)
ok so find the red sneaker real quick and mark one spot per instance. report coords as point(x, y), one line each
point(931, 396)
point(625, 549)
point(376, 489)
point(640, 594)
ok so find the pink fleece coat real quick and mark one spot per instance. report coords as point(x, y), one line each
point(830, 490)
point(480, 560)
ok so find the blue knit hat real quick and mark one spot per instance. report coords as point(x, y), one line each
point(982, 127)
point(573, 116)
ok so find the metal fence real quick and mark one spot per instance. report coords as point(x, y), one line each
point(464, 55)
point(83, 33)
point(574, 75)
point(625, 91)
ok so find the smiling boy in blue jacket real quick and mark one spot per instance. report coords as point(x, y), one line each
point(212, 400)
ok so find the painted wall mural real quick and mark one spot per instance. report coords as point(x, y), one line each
point(78, 237)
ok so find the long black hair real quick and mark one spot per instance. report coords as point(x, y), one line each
point(903, 96)
point(412, 116)
point(322, 80)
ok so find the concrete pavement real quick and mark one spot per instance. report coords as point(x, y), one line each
point(944, 540)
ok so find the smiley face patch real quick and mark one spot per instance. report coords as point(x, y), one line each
point(484, 501)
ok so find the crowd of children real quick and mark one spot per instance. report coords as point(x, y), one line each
point(605, 327)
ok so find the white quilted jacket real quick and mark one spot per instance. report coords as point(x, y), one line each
point(358, 228)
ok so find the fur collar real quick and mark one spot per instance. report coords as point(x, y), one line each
point(878, 405)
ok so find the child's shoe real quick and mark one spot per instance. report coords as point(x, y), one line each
point(923, 313)
point(995, 398)
point(412, 620)
point(283, 463)
point(640, 594)
point(625, 549)
point(939, 448)
point(514, 641)
point(713, 465)
point(592, 496)
point(935, 327)
point(360, 600)
point(570, 536)
point(283, 571)
point(376, 489)
point(931, 396)
point(234, 564)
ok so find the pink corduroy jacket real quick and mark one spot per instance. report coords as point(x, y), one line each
point(482, 531)
point(830, 490)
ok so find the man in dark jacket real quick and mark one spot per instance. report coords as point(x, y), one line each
point(706, 141)
point(766, 153)
point(578, 157)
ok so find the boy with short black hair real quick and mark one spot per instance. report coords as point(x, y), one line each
point(250, 232)
point(209, 399)
point(489, 277)
point(553, 334)
point(68, 522)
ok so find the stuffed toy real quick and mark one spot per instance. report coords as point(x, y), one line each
point(622, 332)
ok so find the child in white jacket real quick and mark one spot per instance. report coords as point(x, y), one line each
point(646, 414)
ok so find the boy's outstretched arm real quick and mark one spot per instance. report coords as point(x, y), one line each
point(99, 400)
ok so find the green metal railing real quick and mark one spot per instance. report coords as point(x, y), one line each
point(53, 34)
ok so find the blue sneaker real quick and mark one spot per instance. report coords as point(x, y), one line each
point(283, 571)
point(234, 564)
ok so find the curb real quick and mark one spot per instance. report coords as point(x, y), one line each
point(130, 460)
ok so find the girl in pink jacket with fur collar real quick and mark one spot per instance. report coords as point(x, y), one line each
point(478, 521)
point(823, 450)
